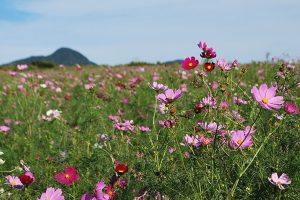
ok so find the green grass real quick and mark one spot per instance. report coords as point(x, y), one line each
point(210, 172)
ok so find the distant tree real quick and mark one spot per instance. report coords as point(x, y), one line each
point(43, 64)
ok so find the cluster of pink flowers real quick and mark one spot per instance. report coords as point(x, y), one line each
point(196, 141)
point(126, 126)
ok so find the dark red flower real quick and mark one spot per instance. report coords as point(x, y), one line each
point(27, 178)
point(121, 169)
point(209, 66)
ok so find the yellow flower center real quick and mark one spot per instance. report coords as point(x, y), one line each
point(206, 141)
point(278, 183)
point(209, 67)
point(239, 142)
point(265, 100)
point(110, 193)
point(223, 67)
point(14, 183)
point(67, 176)
point(190, 64)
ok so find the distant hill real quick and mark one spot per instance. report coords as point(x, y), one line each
point(65, 56)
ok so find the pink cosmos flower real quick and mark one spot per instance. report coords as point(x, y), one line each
point(223, 65)
point(158, 87)
point(237, 116)
point(279, 182)
point(126, 126)
point(238, 140)
point(144, 129)
point(191, 140)
point(68, 177)
point(290, 67)
point(168, 123)
point(169, 96)
point(172, 150)
point(12, 73)
point(210, 127)
point(205, 141)
point(22, 67)
point(114, 118)
point(207, 52)
point(125, 100)
point(78, 67)
point(260, 72)
point(189, 63)
point(291, 108)
point(141, 197)
point(266, 97)
point(224, 105)
point(183, 88)
point(14, 182)
point(156, 76)
point(183, 74)
point(4, 129)
point(162, 108)
point(89, 86)
point(239, 101)
point(249, 130)
point(52, 194)
point(209, 101)
point(99, 193)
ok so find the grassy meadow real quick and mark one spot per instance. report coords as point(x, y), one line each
point(91, 133)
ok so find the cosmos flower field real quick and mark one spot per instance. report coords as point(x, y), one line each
point(203, 129)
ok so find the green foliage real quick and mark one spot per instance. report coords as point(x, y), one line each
point(209, 172)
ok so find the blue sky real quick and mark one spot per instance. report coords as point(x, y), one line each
point(120, 31)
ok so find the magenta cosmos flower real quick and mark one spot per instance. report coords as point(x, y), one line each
point(52, 194)
point(291, 108)
point(68, 177)
point(282, 180)
point(207, 52)
point(239, 140)
point(169, 96)
point(189, 63)
point(266, 97)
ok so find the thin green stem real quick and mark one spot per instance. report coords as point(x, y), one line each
point(231, 194)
